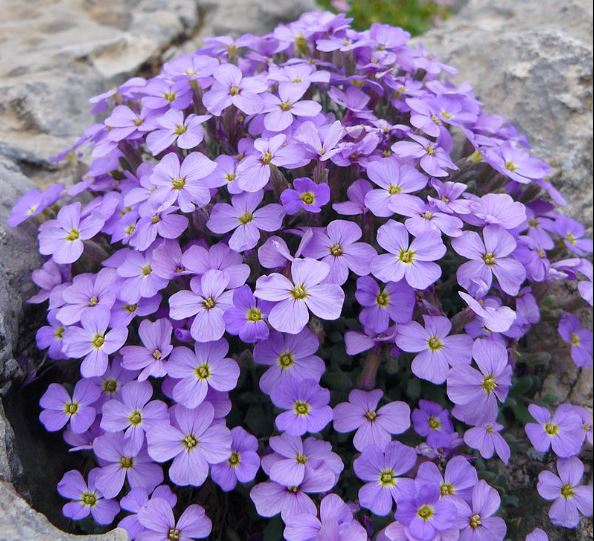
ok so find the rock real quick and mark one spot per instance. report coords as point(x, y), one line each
point(532, 61)
point(19, 521)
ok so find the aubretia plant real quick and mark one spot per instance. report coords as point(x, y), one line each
point(299, 270)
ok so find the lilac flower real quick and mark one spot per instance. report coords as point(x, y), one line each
point(133, 414)
point(426, 514)
point(570, 498)
point(157, 517)
point(63, 237)
point(206, 366)
point(578, 337)
point(436, 350)
point(434, 160)
point(306, 195)
point(291, 357)
point(493, 316)
point(306, 407)
point(281, 110)
point(93, 342)
point(120, 462)
point(396, 182)
point(33, 203)
point(412, 261)
point(336, 522)
point(478, 516)
point(382, 469)
point(141, 282)
point(489, 257)
point(242, 466)
point(424, 217)
point(433, 422)
point(194, 442)
point(572, 233)
point(115, 377)
point(394, 302)
point(161, 94)
point(151, 357)
point(476, 392)
point(50, 337)
point(182, 185)
point(305, 291)
point(232, 88)
point(374, 425)
point(320, 142)
point(135, 500)
point(356, 192)
point(537, 535)
point(244, 220)
point(247, 317)
point(498, 209)
point(487, 440)
point(60, 408)
point(207, 301)
point(86, 498)
point(516, 163)
point(173, 128)
point(561, 431)
point(198, 260)
point(126, 124)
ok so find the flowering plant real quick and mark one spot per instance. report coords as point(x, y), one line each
point(285, 241)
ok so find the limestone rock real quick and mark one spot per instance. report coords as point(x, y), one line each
point(532, 61)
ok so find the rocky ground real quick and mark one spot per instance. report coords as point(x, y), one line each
point(530, 60)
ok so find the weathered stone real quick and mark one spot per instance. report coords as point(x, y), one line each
point(532, 61)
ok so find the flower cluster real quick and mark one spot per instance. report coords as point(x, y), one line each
point(288, 212)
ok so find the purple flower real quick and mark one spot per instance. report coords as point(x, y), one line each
point(157, 517)
point(242, 466)
point(247, 317)
point(321, 143)
point(424, 218)
point(63, 237)
point(133, 414)
point(355, 205)
point(33, 203)
point(487, 440)
point(436, 350)
point(561, 431)
point(537, 535)
point(516, 163)
point(173, 128)
point(281, 110)
point(412, 261)
point(305, 404)
point(478, 516)
point(206, 366)
point(244, 220)
point(120, 461)
point(161, 93)
point(126, 124)
point(182, 184)
point(86, 498)
point(374, 426)
point(570, 498)
point(382, 469)
point(93, 342)
point(134, 501)
point(500, 210)
point(572, 233)
point(434, 160)
point(207, 301)
point(59, 408)
point(396, 181)
point(579, 338)
point(306, 195)
point(291, 357)
point(50, 337)
point(141, 281)
point(493, 316)
point(305, 291)
point(199, 260)
point(489, 257)
point(194, 442)
point(433, 422)
point(476, 392)
point(151, 357)
point(335, 522)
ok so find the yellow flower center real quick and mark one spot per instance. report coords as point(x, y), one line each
point(178, 183)
point(190, 442)
point(489, 384)
point(202, 372)
point(234, 460)
point(73, 235)
point(157, 355)
point(533, 222)
point(434, 423)
point(155, 219)
point(145, 270)
point(246, 218)
point(570, 237)
point(387, 478)
point(59, 333)
point(126, 462)
point(131, 308)
point(426, 513)
point(427, 215)
point(88, 499)
point(430, 149)
point(336, 250)
point(447, 489)
point(489, 259)
point(209, 303)
point(511, 166)
point(435, 344)
point(552, 429)
point(234, 90)
point(301, 459)
point(267, 158)
point(129, 230)
point(475, 521)
point(567, 491)
point(393, 189)
point(286, 360)
point(406, 256)
point(70, 408)
point(308, 198)
point(254, 315)
point(135, 418)
point(371, 416)
point(173, 534)
point(93, 301)
point(286, 106)
point(169, 96)
point(110, 386)
point(138, 121)
point(230, 177)
point(301, 408)
point(383, 299)
point(299, 293)
point(98, 341)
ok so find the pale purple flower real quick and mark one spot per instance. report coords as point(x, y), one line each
point(498, 209)
point(60, 408)
point(242, 466)
point(355, 205)
point(172, 128)
point(295, 297)
point(578, 338)
point(537, 535)
point(206, 366)
point(157, 517)
point(306, 407)
point(373, 425)
point(488, 442)
point(194, 442)
point(480, 524)
point(154, 222)
point(425, 217)
point(280, 111)
point(321, 143)
point(207, 301)
point(151, 357)
point(516, 163)
point(433, 422)
point(141, 281)
point(245, 219)
point(572, 233)
point(247, 317)
point(436, 349)
point(413, 261)
point(561, 431)
point(126, 124)
point(571, 499)
point(198, 260)
point(291, 357)
point(50, 337)
point(135, 500)
point(33, 203)
point(383, 471)
point(306, 195)
point(162, 94)
point(86, 498)
point(434, 160)
point(492, 315)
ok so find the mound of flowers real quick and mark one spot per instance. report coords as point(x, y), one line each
point(298, 275)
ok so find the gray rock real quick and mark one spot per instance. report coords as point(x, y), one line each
point(531, 60)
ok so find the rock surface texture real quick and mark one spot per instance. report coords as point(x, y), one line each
point(530, 60)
